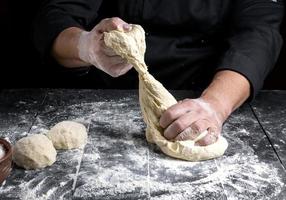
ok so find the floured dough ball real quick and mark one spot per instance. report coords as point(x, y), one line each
point(34, 152)
point(68, 135)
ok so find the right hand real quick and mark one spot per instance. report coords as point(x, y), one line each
point(92, 49)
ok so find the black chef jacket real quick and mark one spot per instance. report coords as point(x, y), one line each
point(187, 40)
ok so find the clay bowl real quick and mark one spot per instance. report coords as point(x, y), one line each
point(6, 161)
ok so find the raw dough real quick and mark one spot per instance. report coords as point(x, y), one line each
point(68, 135)
point(155, 99)
point(34, 152)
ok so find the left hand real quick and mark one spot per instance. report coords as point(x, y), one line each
point(190, 117)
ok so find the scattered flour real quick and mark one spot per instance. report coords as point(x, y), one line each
point(145, 173)
point(118, 162)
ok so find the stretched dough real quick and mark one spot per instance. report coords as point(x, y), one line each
point(155, 99)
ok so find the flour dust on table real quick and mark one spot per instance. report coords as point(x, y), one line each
point(245, 171)
point(115, 158)
point(118, 163)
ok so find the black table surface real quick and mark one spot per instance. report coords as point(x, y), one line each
point(118, 163)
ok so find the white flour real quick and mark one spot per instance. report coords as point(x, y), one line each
point(118, 162)
point(238, 176)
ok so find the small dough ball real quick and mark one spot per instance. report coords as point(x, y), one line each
point(34, 152)
point(68, 135)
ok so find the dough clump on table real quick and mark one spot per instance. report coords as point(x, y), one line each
point(68, 135)
point(155, 99)
point(34, 152)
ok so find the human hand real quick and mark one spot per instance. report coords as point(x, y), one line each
point(92, 49)
point(189, 118)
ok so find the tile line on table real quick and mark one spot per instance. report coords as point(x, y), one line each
point(148, 173)
point(78, 167)
point(267, 136)
point(224, 191)
point(38, 112)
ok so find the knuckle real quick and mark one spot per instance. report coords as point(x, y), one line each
point(179, 126)
point(185, 100)
point(105, 20)
point(163, 122)
point(103, 23)
point(110, 23)
point(168, 115)
point(115, 20)
point(197, 127)
point(188, 102)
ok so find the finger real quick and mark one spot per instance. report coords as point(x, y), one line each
point(179, 125)
point(113, 66)
point(186, 134)
point(174, 112)
point(193, 131)
point(119, 69)
point(114, 23)
point(200, 125)
point(210, 138)
point(124, 69)
point(109, 61)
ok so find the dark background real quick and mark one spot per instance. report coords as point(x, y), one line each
point(21, 67)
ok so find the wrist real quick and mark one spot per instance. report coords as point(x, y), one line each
point(64, 48)
point(227, 91)
point(83, 44)
point(221, 107)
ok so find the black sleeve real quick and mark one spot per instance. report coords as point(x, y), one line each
point(254, 42)
point(56, 15)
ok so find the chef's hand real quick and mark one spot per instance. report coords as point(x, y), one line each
point(190, 117)
point(92, 49)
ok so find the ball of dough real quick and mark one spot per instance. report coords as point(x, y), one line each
point(34, 152)
point(68, 135)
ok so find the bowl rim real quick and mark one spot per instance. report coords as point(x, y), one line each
point(8, 147)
